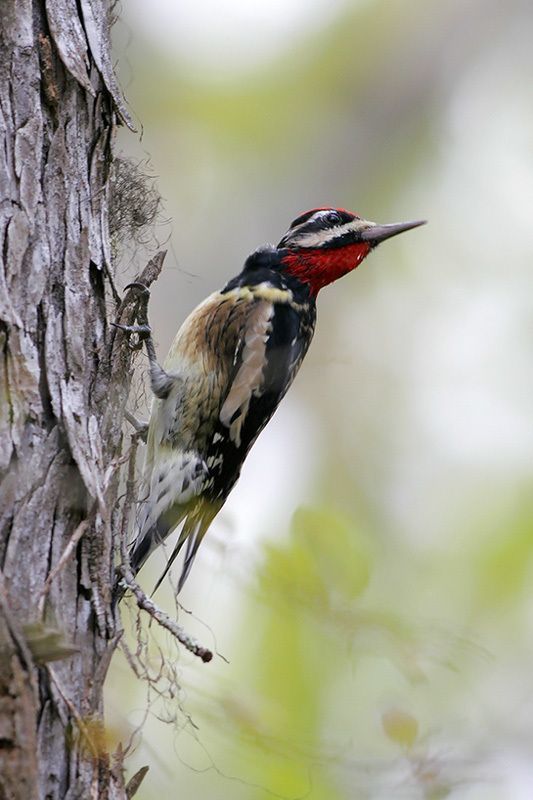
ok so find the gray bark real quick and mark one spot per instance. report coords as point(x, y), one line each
point(64, 380)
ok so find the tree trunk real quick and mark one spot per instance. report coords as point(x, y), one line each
point(64, 384)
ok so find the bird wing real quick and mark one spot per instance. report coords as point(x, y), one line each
point(276, 334)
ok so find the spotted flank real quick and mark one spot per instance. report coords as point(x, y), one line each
point(175, 479)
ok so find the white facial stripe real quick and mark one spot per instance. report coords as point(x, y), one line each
point(319, 238)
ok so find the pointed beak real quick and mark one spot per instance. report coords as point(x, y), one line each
point(378, 233)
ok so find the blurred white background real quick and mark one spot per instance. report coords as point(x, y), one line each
point(411, 416)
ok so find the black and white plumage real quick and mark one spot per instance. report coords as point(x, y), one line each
point(229, 366)
point(231, 362)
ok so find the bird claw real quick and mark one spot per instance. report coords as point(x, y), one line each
point(138, 285)
point(142, 332)
point(141, 428)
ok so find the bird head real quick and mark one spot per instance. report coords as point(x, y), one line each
point(324, 244)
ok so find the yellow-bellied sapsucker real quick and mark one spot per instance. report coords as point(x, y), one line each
point(229, 366)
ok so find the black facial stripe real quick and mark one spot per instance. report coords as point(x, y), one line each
point(327, 218)
point(330, 233)
point(302, 218)
point(320, 224)
point(347, 216)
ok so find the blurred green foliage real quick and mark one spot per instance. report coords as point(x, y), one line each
point(505, 568)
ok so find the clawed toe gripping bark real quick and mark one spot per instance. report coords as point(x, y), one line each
point(161, 382)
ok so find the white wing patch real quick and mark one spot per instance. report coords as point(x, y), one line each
point(176, 477)
point(249, 377)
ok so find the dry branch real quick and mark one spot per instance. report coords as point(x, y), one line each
point(162, 619)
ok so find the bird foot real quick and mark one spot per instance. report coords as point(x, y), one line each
point(141, 428)
point(160, 381)
point(138, 334)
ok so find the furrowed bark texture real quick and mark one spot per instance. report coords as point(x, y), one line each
point(63, 386)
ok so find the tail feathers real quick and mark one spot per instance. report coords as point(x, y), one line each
point(192, 548)
point(151, 538)
point(185, 535)
point(194, 530)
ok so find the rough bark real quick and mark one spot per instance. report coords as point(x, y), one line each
point(64, 380)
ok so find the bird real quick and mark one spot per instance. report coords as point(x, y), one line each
point(229, 366)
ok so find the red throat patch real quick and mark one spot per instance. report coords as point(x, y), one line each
point(319, 267)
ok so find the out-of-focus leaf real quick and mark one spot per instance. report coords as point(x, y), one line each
point(48, 644)
point(339, 552)
point(135, 781)
point(325, 557)
point(291, 574)
point(400, 727)
point(505, 564)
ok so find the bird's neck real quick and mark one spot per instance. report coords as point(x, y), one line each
point(319, 267)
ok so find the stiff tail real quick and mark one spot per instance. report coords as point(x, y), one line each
point(147, 542)
point(196, 524)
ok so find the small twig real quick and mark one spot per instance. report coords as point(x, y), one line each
point(120, 461)
point(129, 498)
point(161, 618)
point(131, 659)
point(114, 291)
point(65, 555)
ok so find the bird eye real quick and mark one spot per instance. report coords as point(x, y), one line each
point(333, 217)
